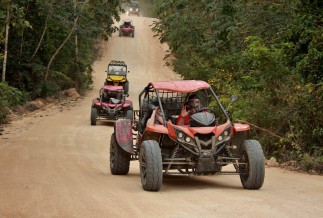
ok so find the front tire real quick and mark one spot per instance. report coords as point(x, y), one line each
point(94, 115)
point(151, 168)
point(253, 155)
point(119, 159)
point(129, 114)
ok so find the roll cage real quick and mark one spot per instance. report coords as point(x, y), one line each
point(118, 68)
point(171, 96)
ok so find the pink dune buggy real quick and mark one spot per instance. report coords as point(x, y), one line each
point(111, 104)
point(127, 28)
point(204, 146)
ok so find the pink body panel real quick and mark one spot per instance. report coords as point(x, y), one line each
point(112, 88)
point(181, 85)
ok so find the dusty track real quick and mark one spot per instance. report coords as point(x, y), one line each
point(57, 165)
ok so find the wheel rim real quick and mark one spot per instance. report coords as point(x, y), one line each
point(245, 168)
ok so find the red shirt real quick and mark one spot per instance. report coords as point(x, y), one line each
point(186, 120)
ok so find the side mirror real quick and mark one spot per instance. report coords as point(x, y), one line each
point(233, 99)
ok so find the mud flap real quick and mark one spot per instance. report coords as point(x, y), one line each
point(123, 131)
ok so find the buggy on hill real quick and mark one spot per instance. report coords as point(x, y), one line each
point(134, 8)
point(127, 28)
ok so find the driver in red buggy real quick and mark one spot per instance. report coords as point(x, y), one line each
point(191, 106)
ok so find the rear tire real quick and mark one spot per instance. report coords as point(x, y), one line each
point(151, 168)
point(133, 34)
point(126, 87)
point(94, 115)
point(253, 155)
point(119, 159)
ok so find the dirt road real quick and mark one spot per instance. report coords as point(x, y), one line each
point(55, 164)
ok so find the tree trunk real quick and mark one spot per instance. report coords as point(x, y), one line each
point(41, 39)
point(60, 47)
point(22, 35)
point(6, 44)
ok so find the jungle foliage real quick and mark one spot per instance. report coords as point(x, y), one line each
point(51, 45)
point(270, 53)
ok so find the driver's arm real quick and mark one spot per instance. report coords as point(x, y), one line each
point(182, 116)
point(151, 120)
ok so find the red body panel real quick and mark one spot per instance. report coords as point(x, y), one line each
point(239, 127)
point(124, 134)
point(157, 128)
point(191, 131)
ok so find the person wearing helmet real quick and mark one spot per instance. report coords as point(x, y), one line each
point(191, 106)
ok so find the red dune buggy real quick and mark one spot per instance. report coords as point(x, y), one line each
point(127, 28)
point(203, 147)
point(111, 104)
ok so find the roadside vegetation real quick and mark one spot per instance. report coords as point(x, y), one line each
point(49, 46)
point(270, 53)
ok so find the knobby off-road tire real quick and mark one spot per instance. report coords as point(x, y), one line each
point(252, 153)
point(94, 115)
point(119, 159)
point(126, 87)
point(151, 169)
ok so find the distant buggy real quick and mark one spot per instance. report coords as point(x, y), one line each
point(127, 28)
point(134, 8)
point(210, 142)
point(117, 75)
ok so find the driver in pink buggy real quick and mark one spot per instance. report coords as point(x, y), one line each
point(191, 106)
point(127, 24)
point(109, 95)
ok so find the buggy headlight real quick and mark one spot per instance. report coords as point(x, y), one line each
point(130, 9)
point(180, 135)
point(184, 138)
point(137, 9)
point(225, 135)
